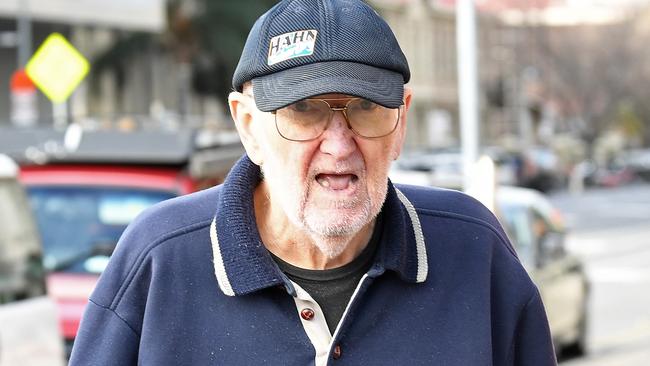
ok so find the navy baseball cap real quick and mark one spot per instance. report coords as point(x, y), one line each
point(302, 48)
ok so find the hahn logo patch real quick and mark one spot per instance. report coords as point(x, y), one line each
point(291, 45)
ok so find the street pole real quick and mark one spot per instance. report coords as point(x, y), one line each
point(24, 30)
point(23, 109)
point(466, 47)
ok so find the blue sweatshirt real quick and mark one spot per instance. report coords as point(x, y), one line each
point(191, 283)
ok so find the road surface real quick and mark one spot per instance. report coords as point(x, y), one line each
point(611, 232)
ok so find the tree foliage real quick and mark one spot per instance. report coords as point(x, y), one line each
point(208, 34)
point(591, 70)
point(219, 30)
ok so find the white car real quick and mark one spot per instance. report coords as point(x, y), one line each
point(538, 232)
point(29, 332)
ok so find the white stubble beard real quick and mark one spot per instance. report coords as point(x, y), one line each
point(331, 231)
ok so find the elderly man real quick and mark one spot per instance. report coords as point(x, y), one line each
point(307, 254)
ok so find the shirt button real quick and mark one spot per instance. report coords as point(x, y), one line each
point(337, 352)
point(307, 314)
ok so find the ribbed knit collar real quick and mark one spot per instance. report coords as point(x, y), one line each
point(243, 264)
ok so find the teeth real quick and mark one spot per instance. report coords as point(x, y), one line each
point(325, 183)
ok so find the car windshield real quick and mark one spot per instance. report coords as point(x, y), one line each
point(516, 221)
point(80, 226)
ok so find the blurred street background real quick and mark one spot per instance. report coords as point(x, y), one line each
point(107, 107)
point(610, 230)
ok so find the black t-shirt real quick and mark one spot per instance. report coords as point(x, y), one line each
point(333, 288)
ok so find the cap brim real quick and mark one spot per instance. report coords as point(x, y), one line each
point(282, 88)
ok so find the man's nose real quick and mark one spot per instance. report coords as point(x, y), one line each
point(338, 138)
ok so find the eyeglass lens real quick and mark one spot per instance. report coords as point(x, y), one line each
point(307, 119)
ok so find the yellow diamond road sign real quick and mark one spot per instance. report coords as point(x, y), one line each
point(57, 68)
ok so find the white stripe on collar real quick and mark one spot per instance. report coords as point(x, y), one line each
point(423, 265)
point(219, 269)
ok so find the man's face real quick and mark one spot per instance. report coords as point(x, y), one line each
point(331, 186)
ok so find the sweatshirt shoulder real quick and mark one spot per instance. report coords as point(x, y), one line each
point(174, 222)
point(177, 213)
point(171, 218)
point(432, 204)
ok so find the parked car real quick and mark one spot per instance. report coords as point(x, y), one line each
point(536, 167)
point(29, 335)
point(82, 211)
point(538, 232)
point(429, 167)
point(613, 175)
point(638, 161)
point(540, 169)
point(84, 198)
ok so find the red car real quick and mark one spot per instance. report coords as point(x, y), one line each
point(83, 199)
point(81, 211)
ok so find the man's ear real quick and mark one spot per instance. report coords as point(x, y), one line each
point(242, 108)
point(401, 128)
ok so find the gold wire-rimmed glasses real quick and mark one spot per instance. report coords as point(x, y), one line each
point(307, 119)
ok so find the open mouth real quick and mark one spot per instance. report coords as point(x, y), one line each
point(337, 182)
